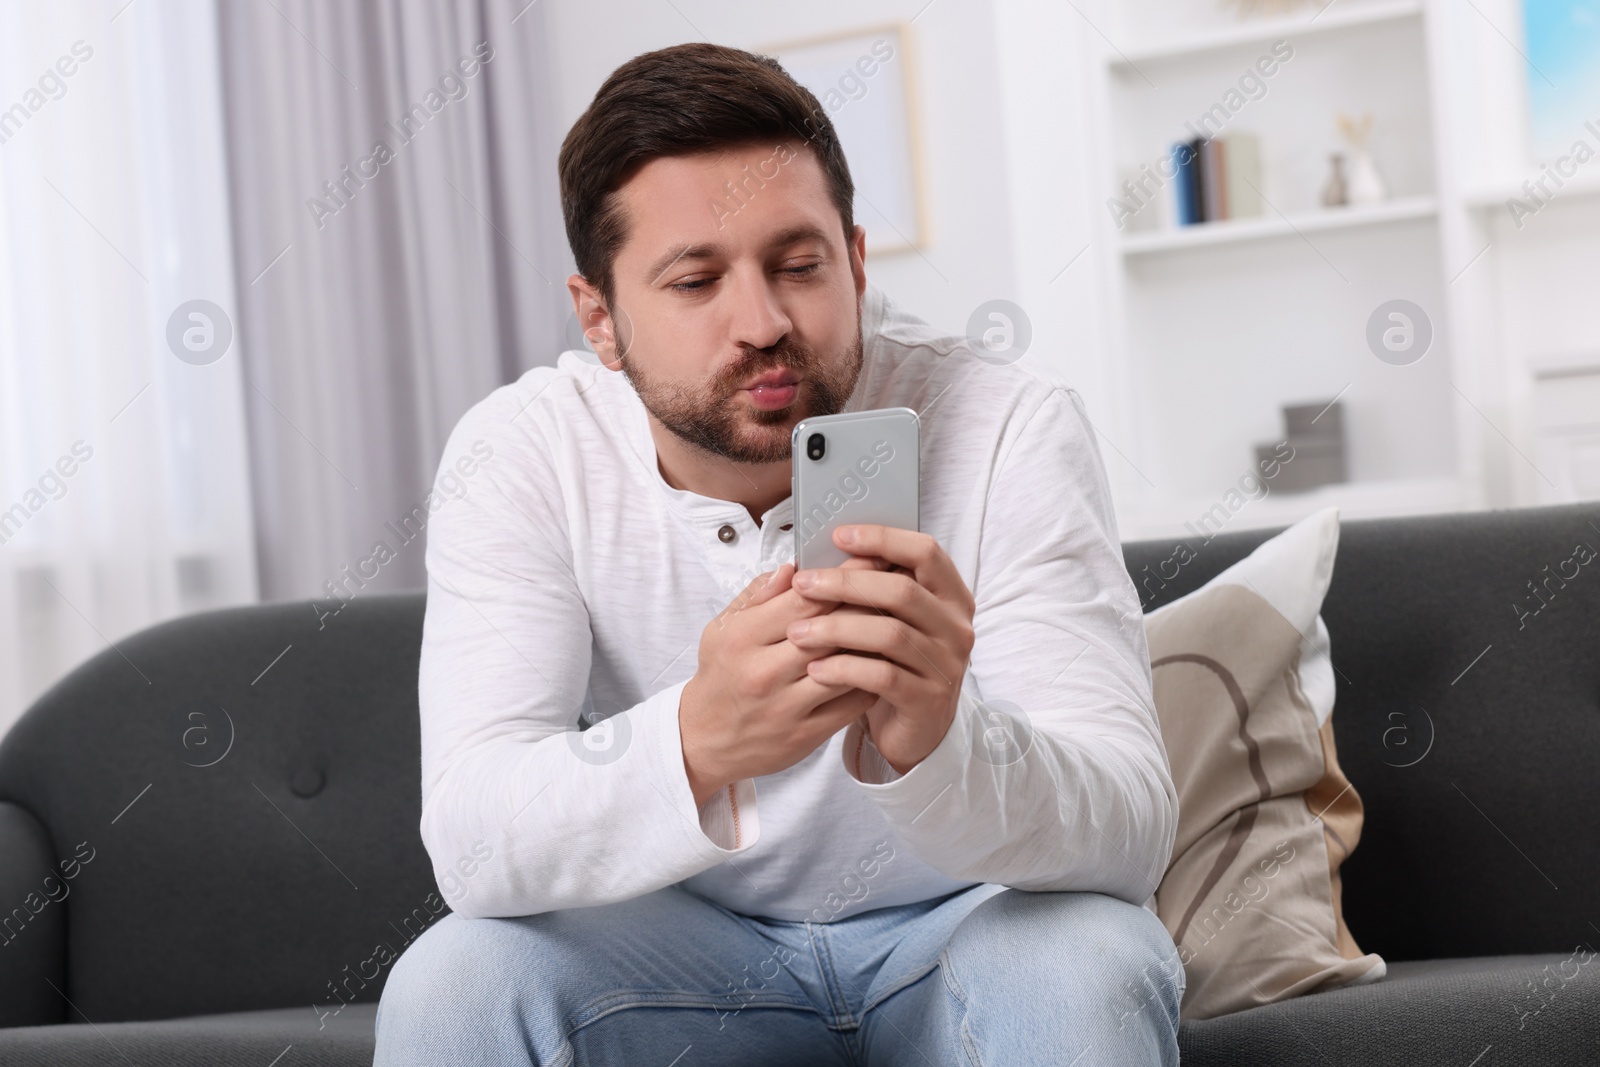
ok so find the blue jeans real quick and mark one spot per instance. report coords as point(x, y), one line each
point(986, 975)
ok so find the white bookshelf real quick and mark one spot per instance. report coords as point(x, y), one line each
point(1186, 342)
point(1330, 19)
point(1214, 326)
point(1406, 209)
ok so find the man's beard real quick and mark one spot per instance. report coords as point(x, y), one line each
point(716, 420)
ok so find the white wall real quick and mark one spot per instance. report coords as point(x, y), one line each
point(1549, 274)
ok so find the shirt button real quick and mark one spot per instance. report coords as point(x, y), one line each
point(727, 534)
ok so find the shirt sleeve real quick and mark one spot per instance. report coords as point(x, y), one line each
point(1053, 774)
point(521, 812)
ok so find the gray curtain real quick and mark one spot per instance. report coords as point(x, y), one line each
point(399, 254)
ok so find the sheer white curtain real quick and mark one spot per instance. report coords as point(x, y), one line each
point(124, 491)
point(211, 388)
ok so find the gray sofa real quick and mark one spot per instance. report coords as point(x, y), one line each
point(208, 836)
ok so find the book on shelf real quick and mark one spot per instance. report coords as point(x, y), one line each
point(1185, 183)
point(1214, 179)
point(1197, 186)
point(1244, 175)
point(1217, 178)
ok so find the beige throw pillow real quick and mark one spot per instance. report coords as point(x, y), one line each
point(1244, 688)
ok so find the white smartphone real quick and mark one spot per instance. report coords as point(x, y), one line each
point(856, 467)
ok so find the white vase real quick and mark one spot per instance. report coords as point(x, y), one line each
point(1366, 184)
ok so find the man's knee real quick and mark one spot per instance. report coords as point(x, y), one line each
point(1100, 953)
point(458, 968)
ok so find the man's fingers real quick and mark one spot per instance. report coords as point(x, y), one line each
point(766, 586)
point(865, 563)
point(899, 595)
point(834, 714)
point(879, 676)
point(802, 652)
point(767, 626)
point(761, 590)
point(871, 633)
point(917, 553)
point(779, 603)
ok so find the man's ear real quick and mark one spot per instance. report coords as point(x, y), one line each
point(858, 258)
point(595, 320)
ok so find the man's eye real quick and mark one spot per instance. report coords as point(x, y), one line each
point(700, 283)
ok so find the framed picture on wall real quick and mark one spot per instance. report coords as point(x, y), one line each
point(864, 81)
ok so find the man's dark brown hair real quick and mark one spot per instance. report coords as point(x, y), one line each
point(673, 102)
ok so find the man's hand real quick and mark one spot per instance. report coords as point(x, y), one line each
point(918, 622)
point(751, 707)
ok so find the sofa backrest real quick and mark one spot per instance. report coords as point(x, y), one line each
point(240, 791)
point(1467, 650)
point(245, 787)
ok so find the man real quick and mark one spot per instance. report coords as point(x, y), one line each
point(690, 806)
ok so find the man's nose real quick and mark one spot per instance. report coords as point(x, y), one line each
point(758, 319)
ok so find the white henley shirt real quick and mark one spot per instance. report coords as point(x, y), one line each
point(570, 580)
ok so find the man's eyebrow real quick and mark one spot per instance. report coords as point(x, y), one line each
point(707, 250)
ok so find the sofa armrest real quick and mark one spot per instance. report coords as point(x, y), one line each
point(33, 925)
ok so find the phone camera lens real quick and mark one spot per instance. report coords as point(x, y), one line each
point(816, 446)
